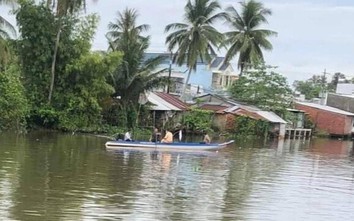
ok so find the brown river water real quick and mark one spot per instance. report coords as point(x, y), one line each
point(53, 176)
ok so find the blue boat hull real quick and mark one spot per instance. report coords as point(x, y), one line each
point(165, 146)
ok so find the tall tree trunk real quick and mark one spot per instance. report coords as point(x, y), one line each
point(183, 96)
point(54, 64)
point(241, 70)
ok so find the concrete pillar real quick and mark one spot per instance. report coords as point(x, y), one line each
point(281, 131)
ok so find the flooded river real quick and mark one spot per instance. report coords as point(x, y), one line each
point(51, 176)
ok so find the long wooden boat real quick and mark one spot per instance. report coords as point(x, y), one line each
point(117, 145)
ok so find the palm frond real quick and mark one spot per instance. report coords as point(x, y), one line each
point(176, 26)
point(11, 3)
point(216, 17)
point(6, 28)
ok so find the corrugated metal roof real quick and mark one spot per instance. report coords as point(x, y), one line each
point(271, 117)
point(159, 104)
point(247, 110)
point(261, 115)
point(212, 107)
point(253, 115)
point(223, 99)
point(231, 109)
point(172, 100)
point(326, 108)
point(250, 108)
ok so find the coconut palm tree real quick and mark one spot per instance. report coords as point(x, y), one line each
point(135, 75)
point(248, 39)
point(124, 32)
point(61, 8)
point(195, 39)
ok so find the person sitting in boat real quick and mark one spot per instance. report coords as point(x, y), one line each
point(206, 138)
point(127, 136)
point(168, 138)
point(156, 136)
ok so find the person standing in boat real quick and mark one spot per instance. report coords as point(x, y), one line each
point(156, 136)
point(127, 136)
point(168, 138)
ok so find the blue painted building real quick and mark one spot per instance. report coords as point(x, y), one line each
point(208, 77)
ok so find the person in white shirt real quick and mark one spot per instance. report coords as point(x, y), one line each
point(127, 136)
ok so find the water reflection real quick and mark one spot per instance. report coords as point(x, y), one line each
point(46, 176)
point(314, 177)
point(181, 181)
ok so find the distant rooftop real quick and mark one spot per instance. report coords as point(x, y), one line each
point(165, 102)
point(216, 62)
point(326, 108)
point(172, 99)
point(239, 108)
point(347, 89)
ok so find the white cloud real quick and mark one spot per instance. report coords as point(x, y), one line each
point(312, 37)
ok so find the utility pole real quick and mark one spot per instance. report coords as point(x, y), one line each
point(324, 81)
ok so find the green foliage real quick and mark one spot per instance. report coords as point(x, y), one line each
point(198, 120)
point(291, 118)
point(83, 31)
point(13, 103)
point(308, 123)
point(47, 117)
point(37, 26)
point(313, 86)
point(6, 54)
point(81, 76)
point(85, 85)
point(245, 126)
point(308, 88)
point(64, 10)
point(113, 114)
point(264, 88)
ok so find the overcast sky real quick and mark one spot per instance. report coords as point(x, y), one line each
point(313, 35)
